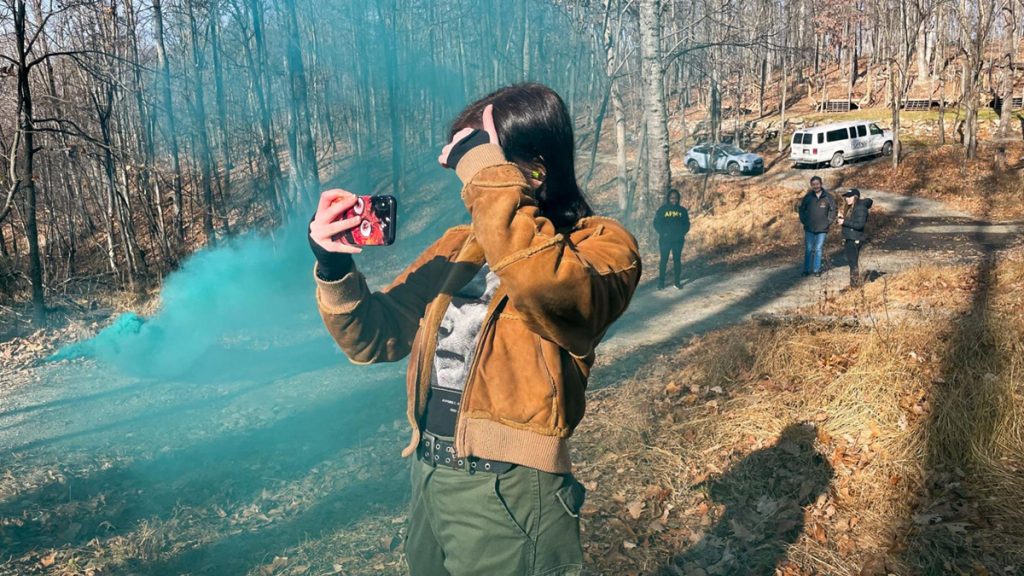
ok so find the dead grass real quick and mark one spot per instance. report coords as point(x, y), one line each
point(977, 187)
point(919, 423)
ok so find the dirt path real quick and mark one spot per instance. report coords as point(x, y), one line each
point(222, 470)
point(933, 233)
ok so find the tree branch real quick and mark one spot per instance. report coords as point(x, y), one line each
point(75, 53)
point(12, 162)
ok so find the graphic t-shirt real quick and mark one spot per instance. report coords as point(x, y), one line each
point(456, 343)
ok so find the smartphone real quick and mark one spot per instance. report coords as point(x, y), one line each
point(377, 221)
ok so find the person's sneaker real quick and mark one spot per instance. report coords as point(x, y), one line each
point(679, 285)
point(805, 273)
point(661, 286)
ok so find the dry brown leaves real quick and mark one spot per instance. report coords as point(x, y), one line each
point(704, 423)
point(976, 187)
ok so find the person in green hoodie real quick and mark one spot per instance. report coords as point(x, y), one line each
point(672, 222)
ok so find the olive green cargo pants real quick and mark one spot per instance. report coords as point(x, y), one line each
point(522, 522)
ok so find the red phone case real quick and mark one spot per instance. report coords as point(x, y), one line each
point(377, 224)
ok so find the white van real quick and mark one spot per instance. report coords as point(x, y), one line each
point(836, 143)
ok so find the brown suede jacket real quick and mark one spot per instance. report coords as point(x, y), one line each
point(558, 294)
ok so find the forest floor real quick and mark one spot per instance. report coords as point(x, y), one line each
point(713, 444)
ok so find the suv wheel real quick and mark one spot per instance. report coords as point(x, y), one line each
point(734, 169)
point(693, 166)
point(887, 149)
point(837, 160)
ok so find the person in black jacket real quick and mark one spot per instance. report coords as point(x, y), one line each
point(672, 222)
point(853, 223)
point(817, 212)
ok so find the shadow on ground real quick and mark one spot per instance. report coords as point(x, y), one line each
point(764, 497)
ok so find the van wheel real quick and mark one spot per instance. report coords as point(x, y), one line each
point(693, 167)
point(734, 169)
point(837, 160)
point(887, 149)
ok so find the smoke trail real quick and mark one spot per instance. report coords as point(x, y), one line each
point(245, 293)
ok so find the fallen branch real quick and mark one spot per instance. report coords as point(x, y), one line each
point(774, 319)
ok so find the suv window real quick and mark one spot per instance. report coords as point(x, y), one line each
point(836, 135)
point(862, 130)
point(875, 130)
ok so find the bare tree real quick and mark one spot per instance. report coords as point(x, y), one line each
point(655, 119)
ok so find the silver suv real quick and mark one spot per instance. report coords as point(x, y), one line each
point(723, 158)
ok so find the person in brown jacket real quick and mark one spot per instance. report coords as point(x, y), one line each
point(500, 320)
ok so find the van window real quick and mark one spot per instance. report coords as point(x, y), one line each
point(836, 135)
point(862, 130)
point(821, 137)
point(875, 130)
point(798, 138)
point(853, 131)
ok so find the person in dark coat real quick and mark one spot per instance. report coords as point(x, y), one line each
point(672, 222)
point(853, 222)
point(817, 212)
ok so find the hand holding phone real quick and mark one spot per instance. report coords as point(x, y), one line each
point(328, 222)
point(343, 221)
point(376, 226)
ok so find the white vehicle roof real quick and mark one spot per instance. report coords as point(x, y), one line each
point(837, 125)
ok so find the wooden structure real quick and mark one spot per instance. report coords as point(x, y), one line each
point(838, 106)
point(920, 104)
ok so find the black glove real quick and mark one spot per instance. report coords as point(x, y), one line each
point(331, 266)
point(472, 140)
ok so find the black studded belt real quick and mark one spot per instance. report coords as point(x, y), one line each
point(438, 451)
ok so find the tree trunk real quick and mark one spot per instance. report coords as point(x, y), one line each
point(25, 157)
point(306, 163)
point(222, 111)
point(618, 110)
point(260, 85)
point(782, 106)
point(205, 152)
point(148, 180)
point(656, 120)
point(177, 216)
point(895, 98)
point(389, 34)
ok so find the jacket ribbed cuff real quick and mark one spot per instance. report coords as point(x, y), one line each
point(477, 159)
point(343, 295)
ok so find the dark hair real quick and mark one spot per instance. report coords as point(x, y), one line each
point(672, 191)
point(534, 126)
point(818, 178)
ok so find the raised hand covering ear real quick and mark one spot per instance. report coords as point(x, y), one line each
point(468, 138)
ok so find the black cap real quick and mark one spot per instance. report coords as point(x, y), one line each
point(852, 192)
